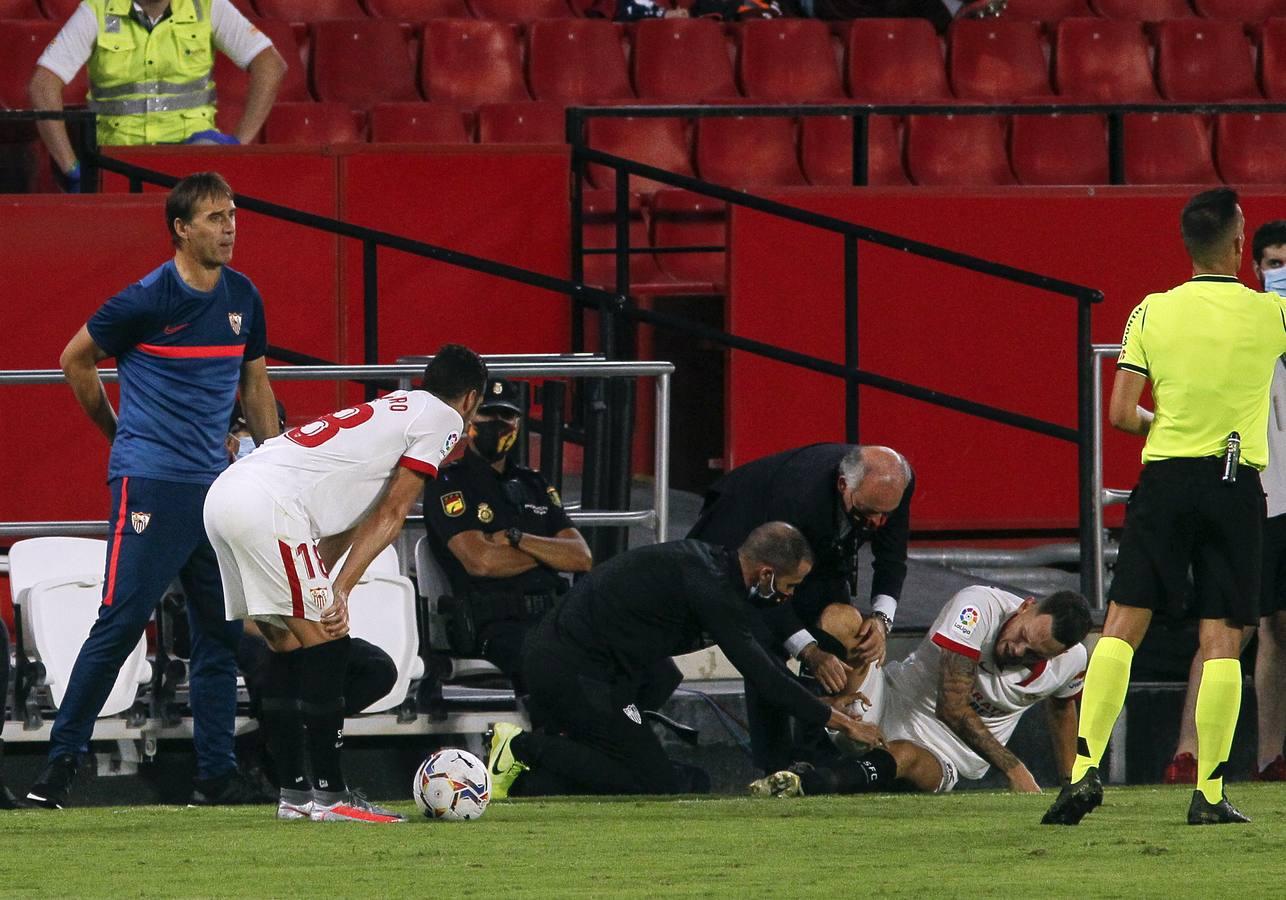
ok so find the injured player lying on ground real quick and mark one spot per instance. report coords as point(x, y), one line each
point(947, 710)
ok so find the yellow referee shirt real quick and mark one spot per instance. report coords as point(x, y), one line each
point(1208, 346)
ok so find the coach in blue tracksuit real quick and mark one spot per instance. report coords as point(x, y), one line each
point(185, 338)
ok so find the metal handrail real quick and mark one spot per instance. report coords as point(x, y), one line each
point(1102, 496)
point(658, 518)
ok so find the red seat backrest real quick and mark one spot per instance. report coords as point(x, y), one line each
point(576, 61)
point(957, 150)
point(1201, 60)
point(1103, 61)
point(1168, 149)
point(681, 61)
point(466, 63)
point(1060, 149)
point(788, 61)
point(997, 60)
point(895, 61)
point(363, 61)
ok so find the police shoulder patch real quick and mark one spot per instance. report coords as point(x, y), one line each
point(453, 504)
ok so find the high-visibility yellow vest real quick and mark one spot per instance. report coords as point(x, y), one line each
point(152, 87)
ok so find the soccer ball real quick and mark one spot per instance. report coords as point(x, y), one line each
point(453, 785)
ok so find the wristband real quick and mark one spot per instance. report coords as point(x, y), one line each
point(513, 536)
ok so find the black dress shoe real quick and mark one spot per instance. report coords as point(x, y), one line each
point(7, 799)
point(1076, 800)
point(52, 789)
point(233, 789)
point(1203, 812)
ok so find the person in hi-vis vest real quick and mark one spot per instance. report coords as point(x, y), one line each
point(150, 74)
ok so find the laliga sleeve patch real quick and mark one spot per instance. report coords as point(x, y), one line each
point(453, 504)
point(449, 444)
point(967, 621)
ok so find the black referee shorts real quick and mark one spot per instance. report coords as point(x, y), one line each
point(1182, 516)
point(1272, 594)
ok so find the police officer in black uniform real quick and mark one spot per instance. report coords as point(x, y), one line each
point(501, 535)
point(840, 496)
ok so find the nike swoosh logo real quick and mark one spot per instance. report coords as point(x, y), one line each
point(172, 329)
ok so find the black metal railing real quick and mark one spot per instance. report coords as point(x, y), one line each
point(853, 234)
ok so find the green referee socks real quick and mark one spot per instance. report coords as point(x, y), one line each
point(1106, 679)
point(1218, 704)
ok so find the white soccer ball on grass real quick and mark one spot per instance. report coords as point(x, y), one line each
point(453, 785)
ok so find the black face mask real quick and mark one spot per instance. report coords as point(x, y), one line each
point(493, 439)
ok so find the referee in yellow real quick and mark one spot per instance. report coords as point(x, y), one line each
point(1208, 347)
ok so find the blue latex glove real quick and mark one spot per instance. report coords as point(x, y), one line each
point(211, 136)
point(70, 181)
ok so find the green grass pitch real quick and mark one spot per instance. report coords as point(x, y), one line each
point(969, 844)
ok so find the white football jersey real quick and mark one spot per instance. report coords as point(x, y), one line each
point(969, 624)
point(334, 468)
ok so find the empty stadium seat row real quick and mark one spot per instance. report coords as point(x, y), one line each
point(467, 62)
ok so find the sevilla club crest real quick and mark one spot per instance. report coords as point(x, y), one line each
point(234, 319)
point(139, 520)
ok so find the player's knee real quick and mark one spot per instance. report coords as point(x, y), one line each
point(842, 622)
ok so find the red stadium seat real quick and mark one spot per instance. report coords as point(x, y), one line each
point(1251, 147)
point(21, 43)
point(957, 150)
point(576, 61)
point(467, 63)
point(1272, 58)
point(788, 61)
point(681, 61)
point(521, 123)
point(1059, 149)
point(1168, 149)
point(599, 218)
point(1240, 10)
point(20, 9)
point(826, 150)
point(309, 10)
point(312, 123)
point(521, 10)
point(895, 61)
point(1143, 10)
point(362, 61)
point(419, 123)
point(741, 151)
point(59, 10)
point(1200, 60)
point(418, 10)
point(683, 219)
point(232, 83)
point(1047, 10)
point(664, 143)
point(997, 60)
point(1101, 61)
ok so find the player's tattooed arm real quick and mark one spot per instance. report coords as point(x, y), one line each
point(955, 685)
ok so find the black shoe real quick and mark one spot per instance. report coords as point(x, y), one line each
point(1076, 800)
point(232, 789)
point(7, 799)
point(53, 788)
point(1203, 812)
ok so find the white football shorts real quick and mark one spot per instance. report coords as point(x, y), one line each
point(267, 555)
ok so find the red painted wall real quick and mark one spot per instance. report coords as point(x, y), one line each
point(952, 330)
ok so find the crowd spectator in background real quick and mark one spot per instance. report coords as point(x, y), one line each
point(500, 533)
point(150, 65)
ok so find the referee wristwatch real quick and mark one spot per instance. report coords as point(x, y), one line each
point(885, 621)
point(513, 536)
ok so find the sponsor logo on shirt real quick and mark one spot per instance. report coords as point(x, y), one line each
point(485, 515)
point(175, 329)
point(453, 504)
point(967, 621)
point(139, 520)
point(234, 319)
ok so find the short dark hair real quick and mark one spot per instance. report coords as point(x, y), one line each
point(1270, 234)
point(1071, 614)
point(777, 544)
point(1206, 223)
point(184, 196)
point(453, 372)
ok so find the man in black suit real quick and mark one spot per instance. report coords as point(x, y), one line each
point(840, 496)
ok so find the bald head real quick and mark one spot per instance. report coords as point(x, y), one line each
point(872, 481)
